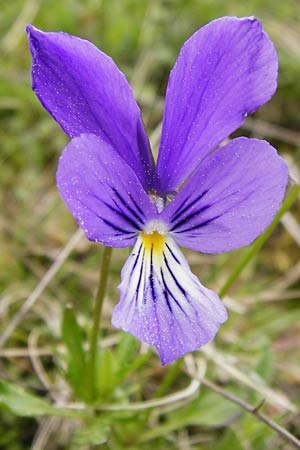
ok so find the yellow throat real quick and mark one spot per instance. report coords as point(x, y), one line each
point(153, 241)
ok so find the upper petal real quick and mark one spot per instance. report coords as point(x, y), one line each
point(102, 192)
point(85, 92)
point(231, 199)
point(226, 70)
point(163, 303)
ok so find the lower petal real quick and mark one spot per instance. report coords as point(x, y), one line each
point(163, 303)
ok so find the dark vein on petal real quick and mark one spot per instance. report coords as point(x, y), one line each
point(180, 211)
point(140, 278)
point(136, 205)
point(105, 220)
point(136, 260)
point(173, 276)
point(115, 227)
point(123, 215)
point(219, 201)
point(169, 292)
point(190, 216)
point(117, 211)
point(200, 225)
point(166, 291)
point(126, 205)
point(172, 254)
point(151, 275)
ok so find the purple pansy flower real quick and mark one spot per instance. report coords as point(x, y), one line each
point(210, 202)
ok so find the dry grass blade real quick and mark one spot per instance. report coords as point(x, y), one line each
point(255, 411)
point(292, 226)
point(11, 40)
point(176, 398)
point(36, 363)
point(276, 398)
point(41, 286)
point(260, 127)
point(24, 352)
point(46, 428)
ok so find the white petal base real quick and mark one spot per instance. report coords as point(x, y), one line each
point(163, 303)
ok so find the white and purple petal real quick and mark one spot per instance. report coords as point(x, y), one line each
point(226, 70)
point(163, 303)
point(85, 92)
point(231, 199)
point(102, 192)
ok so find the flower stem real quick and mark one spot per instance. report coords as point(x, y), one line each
point(93, 348)
point(255, 247)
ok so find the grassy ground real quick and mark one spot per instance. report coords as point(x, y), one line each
point(256, 355)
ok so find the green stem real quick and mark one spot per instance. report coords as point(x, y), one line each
point(93, 348)
point(255, 247)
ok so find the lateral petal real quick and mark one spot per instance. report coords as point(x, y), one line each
point(85, 92)
point(102, 192)
point(163, 303)
point(231, 199)
point(226, 70)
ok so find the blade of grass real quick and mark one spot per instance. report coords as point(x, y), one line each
point(42, 284)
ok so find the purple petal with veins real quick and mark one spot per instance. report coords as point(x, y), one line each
point(102, 192)
point(163, 303)
point(85, 92)
point(231, 199)
point(226, 70)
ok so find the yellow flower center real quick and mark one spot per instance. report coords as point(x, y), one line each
point(153, 241)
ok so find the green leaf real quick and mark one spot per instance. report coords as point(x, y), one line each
point(95, 433)
point(256, 432)
point(106, 375)
point(208, 409)
point(127, 349)
point(24, 404)
point(264, 364)
point(73, 339)
point(127, 357)
point(228, 441)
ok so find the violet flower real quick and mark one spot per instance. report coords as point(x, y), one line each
point(209, 202)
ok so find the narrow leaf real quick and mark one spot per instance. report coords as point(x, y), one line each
point(95, 433)
point(106, 375)
point(228, 441)
point(208, 410)
point(73, 339)
point(127, 349)
point(24, 404)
